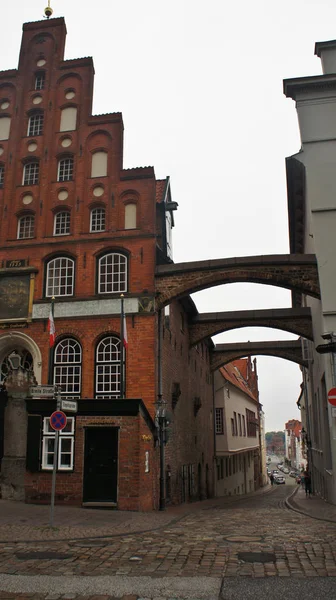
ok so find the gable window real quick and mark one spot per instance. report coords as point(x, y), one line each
point(26, 227)
point(65, 457)
point(35, 124)
point(108, 368)
point(130, 216)
point(219, 421)
point(112, 276)
point(65, 169)
point(31, 173)
point(99, 164)
point(68, 367)
point(39, 80)
point(97, 219)
point(60, 277)
point(62, 223)
point(2, 175)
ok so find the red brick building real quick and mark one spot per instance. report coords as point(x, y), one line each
point(78, 227)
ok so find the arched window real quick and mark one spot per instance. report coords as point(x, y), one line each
point(112, 273)
point(60, 277)
point(35, 124)
point(97, 219)
point(26, 227)
point(68, 119)
point(130, 215)
point(5, 124)
point(39, 80)
point(68, 367)
point(2, 175)
point(62, 223)
point(65, 169)
point(31, 172)
point(99, 164)
point(108, 368)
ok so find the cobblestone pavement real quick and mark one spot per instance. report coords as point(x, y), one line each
point(256, 537)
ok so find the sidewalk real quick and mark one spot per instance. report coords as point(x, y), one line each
point(312, 506)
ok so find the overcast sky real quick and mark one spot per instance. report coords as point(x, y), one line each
point(200, 88)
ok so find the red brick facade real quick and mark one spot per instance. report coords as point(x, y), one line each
point(63, 99)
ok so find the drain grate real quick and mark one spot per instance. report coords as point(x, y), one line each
point(42, 556)
point(257, 557)
point(90, 544)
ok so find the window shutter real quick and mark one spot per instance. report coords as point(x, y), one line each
point(33, 443)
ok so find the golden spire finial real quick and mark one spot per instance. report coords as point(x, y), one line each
point(48, 11)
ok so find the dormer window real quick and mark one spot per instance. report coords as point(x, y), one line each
point(40, 80)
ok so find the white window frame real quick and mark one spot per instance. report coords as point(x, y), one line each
point(62, 223)
point(35, 125)
point(49, 434)
point(65, 169)
point(32, 174)
point(40, 80)
point(60, 277)
point(67, 373)
point(107, 384)
point(26, 227)
point(118, 275)
point(98, 219)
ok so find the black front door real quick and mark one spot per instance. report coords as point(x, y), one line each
point(101, 464)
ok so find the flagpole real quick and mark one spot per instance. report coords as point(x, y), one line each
point(51, 351)
point(122, 346)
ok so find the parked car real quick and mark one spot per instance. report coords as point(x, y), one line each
point(292, 474)
point(285, 470)
point(275, 472)
point(279, 479)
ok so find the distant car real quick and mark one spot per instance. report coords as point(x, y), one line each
point(279, 479)
point(285, 470)
point(275, 472)
point(292, 474)
point(280, 466)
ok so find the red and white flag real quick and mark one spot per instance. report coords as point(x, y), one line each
point(125, 334)
point(51, 327)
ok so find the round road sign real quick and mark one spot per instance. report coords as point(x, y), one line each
point(332, 396)
point(58, 420)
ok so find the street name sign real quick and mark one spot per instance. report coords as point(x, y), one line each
point(332, 396)
point(69, 405)
point(39, 391)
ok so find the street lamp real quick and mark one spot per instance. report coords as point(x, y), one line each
point(14, 360)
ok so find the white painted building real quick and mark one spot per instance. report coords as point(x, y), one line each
point(238, 458)
point(311, 182)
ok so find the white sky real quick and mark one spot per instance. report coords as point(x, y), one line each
point(200, 88)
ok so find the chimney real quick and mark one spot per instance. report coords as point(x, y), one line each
point(326, 51)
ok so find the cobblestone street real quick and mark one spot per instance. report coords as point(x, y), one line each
point(252, 537)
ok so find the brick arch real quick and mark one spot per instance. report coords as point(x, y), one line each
point(293, 320)
point(297, 272)
point(225, 353)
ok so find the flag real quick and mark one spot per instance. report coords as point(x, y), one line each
point(125, 334)
point(51, 326)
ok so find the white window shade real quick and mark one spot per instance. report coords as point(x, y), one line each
point(130, 216)
point(68, 119)
point(99, 164)
point(5, 123)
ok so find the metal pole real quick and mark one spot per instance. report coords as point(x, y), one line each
point(53, 481)
point(51, 351)
point(161, 417)
point(121, 394)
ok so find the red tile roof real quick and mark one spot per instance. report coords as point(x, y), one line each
point(232, 373)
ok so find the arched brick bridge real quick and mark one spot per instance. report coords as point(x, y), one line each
point(296, 272)
point(225, 353)
point(294, 320)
